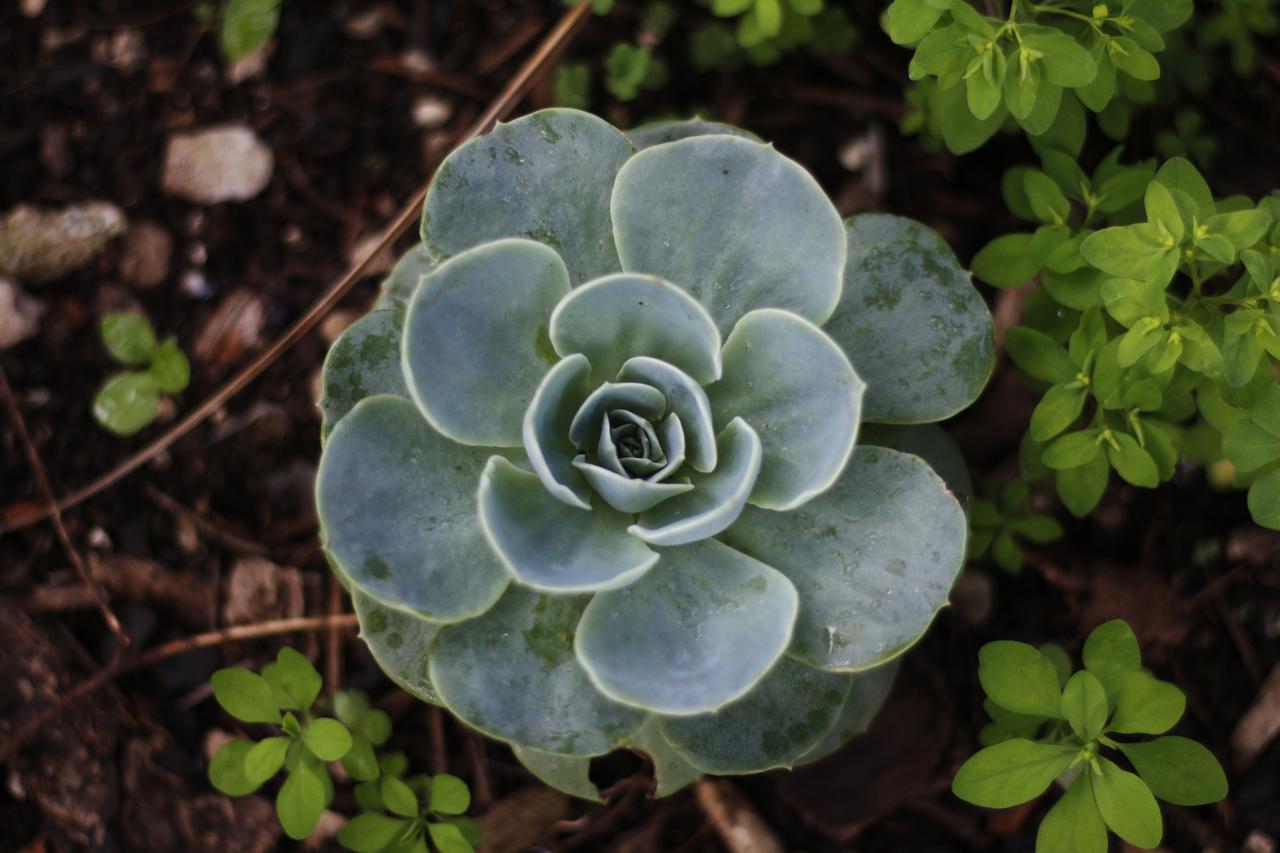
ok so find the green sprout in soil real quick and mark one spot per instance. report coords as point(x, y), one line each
point(130, 400)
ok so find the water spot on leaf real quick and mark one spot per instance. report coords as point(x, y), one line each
point(375, 567)
point(549, 133)
point(376, 622)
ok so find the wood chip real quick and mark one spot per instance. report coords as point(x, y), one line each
point(735, 821)
point(1260, 724)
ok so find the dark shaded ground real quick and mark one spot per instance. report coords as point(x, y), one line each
point(125, 770)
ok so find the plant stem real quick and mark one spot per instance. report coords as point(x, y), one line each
point(1054, 10)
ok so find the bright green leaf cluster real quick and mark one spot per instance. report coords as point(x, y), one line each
point(130, 399)
point(1040, 62)
point(284, 695)
point(998, 521)
point(1166, 329)
point(1051, 725)
point(410, 814)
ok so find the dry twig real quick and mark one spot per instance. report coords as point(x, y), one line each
point(737, 824)
point(121, 665)
point(46, 494)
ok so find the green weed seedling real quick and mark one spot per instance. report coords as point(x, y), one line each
point(129, 400)
point(1036, 66)
point(1051, 725)
point(398, 814)
point(1001, 519)
point(243, 26)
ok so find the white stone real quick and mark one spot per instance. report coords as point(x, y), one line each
point(39, 245)
point(228, 163)
point(19, 315)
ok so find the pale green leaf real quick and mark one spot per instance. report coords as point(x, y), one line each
point(397, 507)
point(363, 361)
point(717, 499)
point(622, 316)
point(568, 773)
point(547, 176)
point(690, 211)
point(723, 615)
point(513, 675)
point(550, 546)
point(795, 387)
point(473, 370)
point(777, 723)
point(875, 563)
point(911, 322)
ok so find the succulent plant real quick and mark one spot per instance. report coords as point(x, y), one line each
point(591, 471)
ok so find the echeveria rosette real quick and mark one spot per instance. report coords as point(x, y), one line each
point(590, 470)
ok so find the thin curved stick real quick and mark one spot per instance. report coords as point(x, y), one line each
point(120, 665)
point(511, 94)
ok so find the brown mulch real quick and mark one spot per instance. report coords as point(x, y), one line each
point(220, 528)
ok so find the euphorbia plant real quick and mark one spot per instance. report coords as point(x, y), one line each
point(591, 472)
